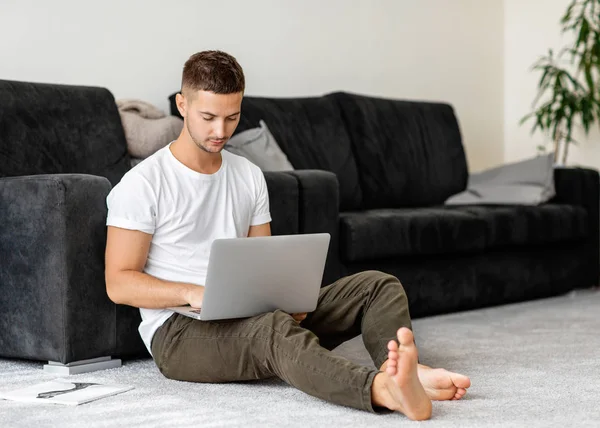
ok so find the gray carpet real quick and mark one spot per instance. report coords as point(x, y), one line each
point(531, 364)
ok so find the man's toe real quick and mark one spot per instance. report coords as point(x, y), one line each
point(461, 381)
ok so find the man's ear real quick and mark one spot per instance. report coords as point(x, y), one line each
point(181, 103)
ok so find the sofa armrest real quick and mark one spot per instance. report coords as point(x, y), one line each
point(283, 201)
point(319, 212)
point(581, 186)
point(577, 186)
point(53, 301)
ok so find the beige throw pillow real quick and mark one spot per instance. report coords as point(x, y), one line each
point(147, 129)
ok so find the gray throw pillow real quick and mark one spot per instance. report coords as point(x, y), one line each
point(259, 146)
point(529, 182)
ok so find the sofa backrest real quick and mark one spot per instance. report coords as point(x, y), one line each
point(52, 129)
point(407, 153)
point(386, 153)
point(312, 134)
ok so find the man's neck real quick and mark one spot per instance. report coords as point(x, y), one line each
point(195, 158)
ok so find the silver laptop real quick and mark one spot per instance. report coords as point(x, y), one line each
point(251, 276)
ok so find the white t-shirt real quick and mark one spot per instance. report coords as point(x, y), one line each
point(185, 211)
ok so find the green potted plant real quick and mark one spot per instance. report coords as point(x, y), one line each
point(568, 90)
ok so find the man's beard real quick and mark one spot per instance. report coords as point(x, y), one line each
point(202, 146)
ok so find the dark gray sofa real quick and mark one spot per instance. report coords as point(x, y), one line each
point(396, 163)
point(61, 149)
point(371, 172)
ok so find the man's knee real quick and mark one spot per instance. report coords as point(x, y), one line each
point(378, 276)
point(380, 280)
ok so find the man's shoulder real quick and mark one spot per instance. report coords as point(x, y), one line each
point(241, 164)
point(140, 183)
point(151, 168)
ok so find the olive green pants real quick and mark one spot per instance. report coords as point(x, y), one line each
point(274, 344)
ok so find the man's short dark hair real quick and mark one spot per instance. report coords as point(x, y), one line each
point(213, 71)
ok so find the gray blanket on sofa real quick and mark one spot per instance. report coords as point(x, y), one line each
point(530, 182)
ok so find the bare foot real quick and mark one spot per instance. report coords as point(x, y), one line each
point(399, 387)
point(440, 384)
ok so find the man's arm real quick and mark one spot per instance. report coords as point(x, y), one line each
point(126, 254)
point(260, 230)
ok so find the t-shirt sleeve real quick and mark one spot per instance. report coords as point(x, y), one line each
point(261, 213)
point(132, 204)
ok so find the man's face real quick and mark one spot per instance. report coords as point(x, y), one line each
point(211, 118)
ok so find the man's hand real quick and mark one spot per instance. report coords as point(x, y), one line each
point(299, 317)
point(194, 296)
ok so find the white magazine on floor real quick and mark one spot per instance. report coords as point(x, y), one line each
point(64, 391)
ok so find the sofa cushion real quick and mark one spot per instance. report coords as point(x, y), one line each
point(53, 129)
point(311, 132)
point(386, 233)
point(407, 153)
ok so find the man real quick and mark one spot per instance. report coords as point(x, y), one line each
point(162, 218)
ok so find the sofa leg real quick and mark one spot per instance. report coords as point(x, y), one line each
point(82, 366)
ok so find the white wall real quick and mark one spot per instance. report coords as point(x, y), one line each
point(531, 28)
point(438, 50)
